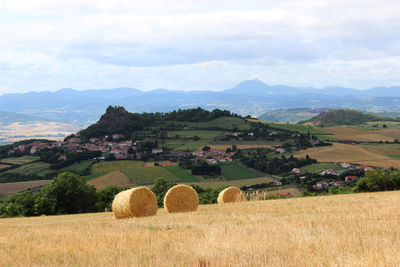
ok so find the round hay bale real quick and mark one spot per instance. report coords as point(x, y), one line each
point(135, 202)
point(231, 194)
point(181, 198)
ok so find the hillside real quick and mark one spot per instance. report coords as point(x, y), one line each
point(338, 230)
point(337, 117)
point(293, 115)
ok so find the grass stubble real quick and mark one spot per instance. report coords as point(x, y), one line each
point(340, 230)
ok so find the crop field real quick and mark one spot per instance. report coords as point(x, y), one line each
point(12, 188)
point(296, 127)
point(337, 230)
point(223, 122)
point(147, 175)
point(182, 174)
point(357, 134)
point(248, 146)
point(30, 169)
point(349, 153)
point(80, 166)
point(115, 178)
point(4, 166)
point(235, 171)
point(202, 134)
point(317, 167)
point(109, 166)
point(182, 144)
point(20, 160)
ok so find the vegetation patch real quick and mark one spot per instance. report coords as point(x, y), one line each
point(12, 188)
point(147, 175)
point(181, 173)
point(320, 167)
point(109, 166)
point(30, 169)
point(236, 171)
point(20, 160)
point(115, 178)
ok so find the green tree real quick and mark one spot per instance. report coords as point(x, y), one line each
point(160, 188)
point(106, 196)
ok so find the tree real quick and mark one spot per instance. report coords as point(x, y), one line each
point(160, 188)
point(67, 194)
point(206, 148)
point(106, 196)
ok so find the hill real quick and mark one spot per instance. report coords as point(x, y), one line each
point(293, 115)
point(252, 97)
point(358, 228)
point(338, 117)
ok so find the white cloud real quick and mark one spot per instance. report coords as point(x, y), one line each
point(155, 42)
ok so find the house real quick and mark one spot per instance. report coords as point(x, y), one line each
point(277, 183)
point(296, 171)
point(211, 161)
point(302, 177)
point(117, 136)
point(330, 172)
point(74, 140)
point(321, 185)
point(156, 150)
point(365, 168)
point(338, 183)
point(62, 157)
point(344, 165)
point(280, 150)
point(236, 134)
point(250, 134)
point(351, 178)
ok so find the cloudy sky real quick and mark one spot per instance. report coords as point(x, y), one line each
point(213, 45)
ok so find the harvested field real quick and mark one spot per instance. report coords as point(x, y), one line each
point(292, 191)
point(161, 163)
point(350, 133)
point(182, 174)
point(337, 230)
point(12, 188)
point(108, 166)
point(30, 169)
point(115, 178)
point(349, 153)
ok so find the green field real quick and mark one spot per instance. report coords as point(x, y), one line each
point(182, 174)
point(30, 169)
point(182, 144)
point(92, 176)
point(235, 171)
point(109, 166)
point(317, 167)
point(223, 122)
point(298, 128)
point(201, 133)
point(147, 175)
point(79, 166)
point(3, 197)
point(20, 160)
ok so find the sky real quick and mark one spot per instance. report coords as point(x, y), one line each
point(197, 45)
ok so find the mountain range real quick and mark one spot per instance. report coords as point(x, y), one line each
point(252, 97)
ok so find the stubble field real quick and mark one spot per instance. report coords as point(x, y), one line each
point(340, 230)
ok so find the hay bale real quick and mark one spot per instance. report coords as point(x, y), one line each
point(181, 198)
point(135, 202)
point(231, 194)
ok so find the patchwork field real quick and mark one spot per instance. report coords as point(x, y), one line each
point(222, 122)
point(338, 230)
point(4, 166)
point(115, 178)
point(182, 174)
point(108, 166)
point(320, 167)
point(20, 160)
point(235, 171)
point(147, 175)
point(240, 146)
point(350, 153)
point(12, 188)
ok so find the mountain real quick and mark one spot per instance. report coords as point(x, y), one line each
point(337, 117)
point(7, 118)
point(252, 97)
point(293, 115)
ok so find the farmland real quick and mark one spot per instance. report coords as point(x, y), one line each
point(357, 134)
point(320, 166)
point(20, 160)
point(30, 169)
point(115, 178)
point(182, 174)
point(4, 166)
point(108, 166)
point(147, 175)
point(350, 153)
point(235, 171)
point(79, 166)
point(222, 122)
point(338, 230)
point(12, 188)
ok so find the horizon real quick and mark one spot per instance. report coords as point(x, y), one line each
point(197, 46)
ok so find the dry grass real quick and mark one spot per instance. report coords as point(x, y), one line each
point(115, 178)
point(341, 230)
point(349, 133)
point(349, 153)
point(237, 183)
point(3, 166)
point(12, 188)
point(161, 163)
point(181, 198)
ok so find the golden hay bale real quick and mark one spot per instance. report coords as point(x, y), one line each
point(231, 194)
point(135, 202)
point(181, 198)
